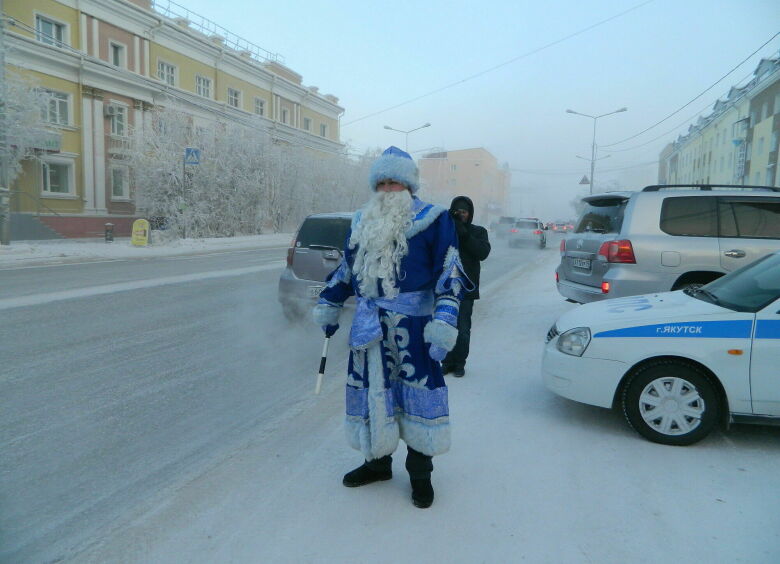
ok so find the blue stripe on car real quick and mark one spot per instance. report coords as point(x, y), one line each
point(740, 329)
point(767, 329)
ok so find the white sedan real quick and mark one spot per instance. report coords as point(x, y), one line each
point(676, 363)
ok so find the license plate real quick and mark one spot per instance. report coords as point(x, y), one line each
point(580, 263)
point(314, 291)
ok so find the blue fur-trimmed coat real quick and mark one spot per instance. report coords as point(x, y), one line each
point(394, 389)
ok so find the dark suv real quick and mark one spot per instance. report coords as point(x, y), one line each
point(666, 238)
point(315, 251)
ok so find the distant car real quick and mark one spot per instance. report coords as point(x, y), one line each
point(665, 238)
point(560, 227)
point(503, 225)
point(527, 231)
point(676, 363)
point(315, 251)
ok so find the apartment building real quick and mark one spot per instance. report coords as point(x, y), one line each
point(467, 172)
point(104, 64)
point(737, 143)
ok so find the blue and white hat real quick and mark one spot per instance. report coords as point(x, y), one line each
point(398, 165)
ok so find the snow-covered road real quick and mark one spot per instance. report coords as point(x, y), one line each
point(531, 477)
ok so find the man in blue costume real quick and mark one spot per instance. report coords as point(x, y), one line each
point(401, 262)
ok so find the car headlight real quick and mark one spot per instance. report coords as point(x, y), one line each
point(574, 341)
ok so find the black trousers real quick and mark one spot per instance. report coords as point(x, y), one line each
point(418, 465)
point(456, 358)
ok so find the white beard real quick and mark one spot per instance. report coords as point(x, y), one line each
point(381, 243)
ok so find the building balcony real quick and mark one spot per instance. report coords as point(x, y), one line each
point(120, 145)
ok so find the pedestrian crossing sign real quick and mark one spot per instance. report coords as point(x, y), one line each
point(191, 156)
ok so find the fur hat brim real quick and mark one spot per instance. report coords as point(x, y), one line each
point(393, 167)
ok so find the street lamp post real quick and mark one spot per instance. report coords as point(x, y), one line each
point(407, 133)
point(593, 145)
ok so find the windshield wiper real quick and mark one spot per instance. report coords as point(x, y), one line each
point(710, 296)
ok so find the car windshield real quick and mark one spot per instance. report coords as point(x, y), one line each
point(526, 225)
point(323, 231)
point(602, 216)
point(751, 288)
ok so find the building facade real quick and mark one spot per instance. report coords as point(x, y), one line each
point(735, 144)
point(104, 64)
point(467, 172)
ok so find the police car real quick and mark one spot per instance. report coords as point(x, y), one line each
point(677, 363)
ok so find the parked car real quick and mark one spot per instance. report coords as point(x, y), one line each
point(676, 363)
point(527, 231)
point(665, 238)
point(314, 252)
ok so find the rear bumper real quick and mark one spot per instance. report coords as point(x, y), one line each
point(622, 283)
point(295, 292)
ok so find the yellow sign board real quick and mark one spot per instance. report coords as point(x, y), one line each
point(140, 235)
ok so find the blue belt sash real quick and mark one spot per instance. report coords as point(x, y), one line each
point(366, 328)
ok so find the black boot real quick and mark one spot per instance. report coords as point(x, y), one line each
point(422, 492)
point(369, 472)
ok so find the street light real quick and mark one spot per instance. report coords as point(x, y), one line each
point(593, 145)
point(407, 132)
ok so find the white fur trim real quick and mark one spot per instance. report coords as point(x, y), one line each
point(420, 224)
point(431, 438)
point(324, 314)
point(395, 167)
point(441, 334)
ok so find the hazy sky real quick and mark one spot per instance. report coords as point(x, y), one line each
point(530, 61)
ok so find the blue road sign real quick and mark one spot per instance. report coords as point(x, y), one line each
point(191, 156)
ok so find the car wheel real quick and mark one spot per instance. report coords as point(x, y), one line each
point(671, 402)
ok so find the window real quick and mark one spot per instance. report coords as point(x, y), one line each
point(166, 72)
point(260, 106)
point(120, 183)
point(285, 115)
point(234, 97)
point(689, 216)
point(118, 115)
point(760, 146)
point(454, 167)
point(773, 145)
point(323, 130)
point(50, 32)
point(57, 177)
point(751, 219)
point(117, 55)
point(307, 124)
point(765, 111)
point(203, 86)
point(56, 111)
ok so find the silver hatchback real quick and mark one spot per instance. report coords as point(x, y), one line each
point(315, 251)
point(665, 238)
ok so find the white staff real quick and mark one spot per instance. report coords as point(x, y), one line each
point(322, 366)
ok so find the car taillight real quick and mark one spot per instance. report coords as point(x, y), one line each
point(563, 246)
point(513, 230)
point(291, 252)
point(618, 251)
point(556, 276)
point(538, 232)
point(605, 287)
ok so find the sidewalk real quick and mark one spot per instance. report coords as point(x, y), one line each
point(58, 251)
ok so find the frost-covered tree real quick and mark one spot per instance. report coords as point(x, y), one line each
point(246, 181)
point(22, 127)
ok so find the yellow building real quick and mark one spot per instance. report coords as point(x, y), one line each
point(737, 143)
point(104, 63)
point(466, 172)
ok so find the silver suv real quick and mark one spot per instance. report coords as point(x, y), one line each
point(665, 238)
point(315, 251)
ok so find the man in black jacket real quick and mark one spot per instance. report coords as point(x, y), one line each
point(474, 248)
